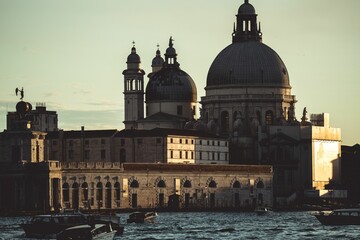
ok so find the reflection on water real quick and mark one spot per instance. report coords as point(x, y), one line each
point(282, 225)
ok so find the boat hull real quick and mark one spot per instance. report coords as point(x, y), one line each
point(338, 220)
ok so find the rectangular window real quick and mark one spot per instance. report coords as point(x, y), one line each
point(180, 140)
point(71, 154)
point(103, 154)
point(122, 142)
point(200, 142)
point(87, 154)
point(218, 143)
point(213, 143)
point(171, 140)
point(192, 141)
point(192, 155)
point(171, 154)
point(225, 144)
point(213, 156)
point(54, 155)
point(186, 141)
point(208, 143)
point(186, 155)
point(180, 154)
point(179, 110)
point(218, 155)
point(200, 155)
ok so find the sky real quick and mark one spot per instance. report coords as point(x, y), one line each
point(70, 54)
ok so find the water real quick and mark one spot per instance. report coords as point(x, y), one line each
point(277, 225)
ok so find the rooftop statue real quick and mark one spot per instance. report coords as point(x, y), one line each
point(17, 90)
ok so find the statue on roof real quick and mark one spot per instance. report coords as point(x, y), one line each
point(17, 90)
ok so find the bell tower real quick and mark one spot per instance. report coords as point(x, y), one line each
point(133, 90)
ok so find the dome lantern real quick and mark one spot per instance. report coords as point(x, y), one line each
point(171, 55)
point(246, 27)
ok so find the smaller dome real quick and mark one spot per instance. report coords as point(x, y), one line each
point(246, 9)
point(133, 57)
point(157, 60)
point(170, 51)
point(23, 107)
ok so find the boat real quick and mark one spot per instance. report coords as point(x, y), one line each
point(349, 216)
point(141, 217)
point(262, 210)
point(87, 232)
point(48, 225)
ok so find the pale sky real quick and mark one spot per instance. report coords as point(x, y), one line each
point(70, 54)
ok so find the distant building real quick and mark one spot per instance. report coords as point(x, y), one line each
point(350, 168)
point(41, 119)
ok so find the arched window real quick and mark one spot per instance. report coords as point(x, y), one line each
point(85, 191)
point(236, 184)
point(161, 184)
point(224, 122)
point(258, 116)
point(260, 184)
point(108, 199)
point(122, 155)
point(99, 191)
point(187, 184)
point(269, 118)
point(65, 189)
point(134, 184)
point(75, 195)
point(280, 154)
point(117, 191)
point(212, 184)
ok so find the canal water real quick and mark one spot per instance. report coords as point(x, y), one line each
point(217, 225)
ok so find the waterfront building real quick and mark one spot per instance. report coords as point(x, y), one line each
point(247, 119)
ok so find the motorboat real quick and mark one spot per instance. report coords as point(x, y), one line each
point(141, 217)
point(87, 232)
point(48, 225)
point(349, 216)
point(262, 210)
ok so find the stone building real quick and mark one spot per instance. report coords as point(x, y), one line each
point(105, 185)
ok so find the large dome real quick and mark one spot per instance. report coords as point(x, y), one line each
point(249, 63)
point(171, 84)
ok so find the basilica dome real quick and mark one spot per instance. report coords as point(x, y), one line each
point(171, 83)
point(249, 63)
